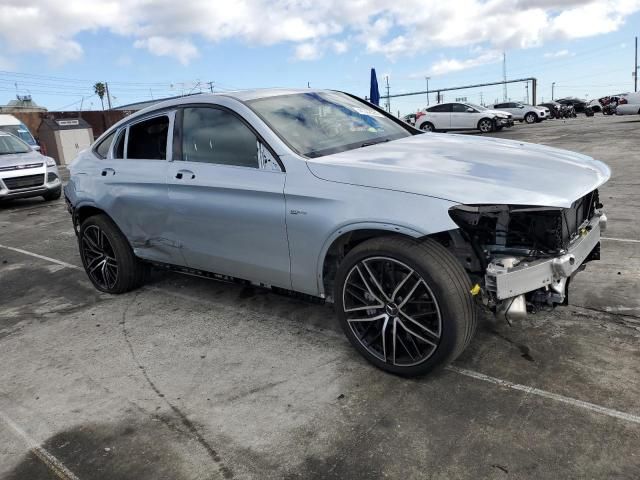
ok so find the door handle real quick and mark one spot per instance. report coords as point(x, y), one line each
point(185, 174)
point(108, 171)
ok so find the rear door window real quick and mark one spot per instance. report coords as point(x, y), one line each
point(212, 135)
point(446, 108)
point(147, 140)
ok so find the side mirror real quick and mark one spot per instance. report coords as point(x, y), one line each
point(521, 106)
point(470, 110)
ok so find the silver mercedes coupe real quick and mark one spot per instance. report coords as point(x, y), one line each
point(318, 192)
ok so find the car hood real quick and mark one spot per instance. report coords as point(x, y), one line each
point(492, 111)
point(468, 169)
point(17, 159)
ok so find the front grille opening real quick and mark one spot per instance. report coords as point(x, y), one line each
point(29, 181)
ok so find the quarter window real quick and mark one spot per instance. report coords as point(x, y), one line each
point(103, 147)
point(212, 135)
point(148, 139)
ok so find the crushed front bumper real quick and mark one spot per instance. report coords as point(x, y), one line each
point(519, 276)
point(504, 122)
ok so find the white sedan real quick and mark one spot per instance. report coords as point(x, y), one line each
point(462, 116)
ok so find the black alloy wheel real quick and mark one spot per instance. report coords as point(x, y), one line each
point(99, 258)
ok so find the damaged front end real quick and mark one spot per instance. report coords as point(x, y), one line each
point(527, 255)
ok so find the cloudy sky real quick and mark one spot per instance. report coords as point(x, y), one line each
point(56, 49)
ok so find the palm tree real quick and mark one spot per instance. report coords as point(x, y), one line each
point(100, 90)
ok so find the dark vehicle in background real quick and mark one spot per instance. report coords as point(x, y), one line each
point(577, 104)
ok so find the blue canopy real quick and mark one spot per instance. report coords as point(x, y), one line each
point(374, 93)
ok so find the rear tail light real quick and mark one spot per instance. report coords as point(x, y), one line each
point(622, 101)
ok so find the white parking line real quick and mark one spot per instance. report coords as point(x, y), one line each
point(462, 371)
point(543, 393)
point(42, 257)
point(614, 239)
point(55, 465)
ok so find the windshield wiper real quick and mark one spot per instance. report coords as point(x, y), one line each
point(368, 144)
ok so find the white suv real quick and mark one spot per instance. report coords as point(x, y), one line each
point(523, 112)
point(462, 116)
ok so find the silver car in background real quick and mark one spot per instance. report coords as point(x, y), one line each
point(321, 193)
point(26, 173)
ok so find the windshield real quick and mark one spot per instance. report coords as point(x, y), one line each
point(19, 131)
point(321, 123)
point(480, 108)
point(10, 145)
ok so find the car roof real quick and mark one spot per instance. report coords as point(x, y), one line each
point(6, 119)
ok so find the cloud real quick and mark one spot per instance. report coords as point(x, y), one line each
point(450, 65)
point(559, 54)
point(173, 29)
point(183, 50)
point(308, 51)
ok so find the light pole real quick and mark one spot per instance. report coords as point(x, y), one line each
point(427, 79)
point(553, 85)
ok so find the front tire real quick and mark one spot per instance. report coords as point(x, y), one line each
point(405, 305)
point(486, 125)
point(107, 256)
point(52, 195)
point(531, 118)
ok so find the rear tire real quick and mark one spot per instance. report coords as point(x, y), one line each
point(405, 305)
point(108, 258)
point(427, 127)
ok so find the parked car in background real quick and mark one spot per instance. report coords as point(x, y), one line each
point(462, 116)
point(577, 103)
point(321, 193)
point(523, 112)
point(24, 172)
point(628, 104)
point(595, 105)
point(410, 119)
point(554, 109)
point(10, 124)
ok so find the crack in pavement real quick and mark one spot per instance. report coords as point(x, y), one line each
point(224, 470)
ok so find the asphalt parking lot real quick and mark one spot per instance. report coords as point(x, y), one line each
point(192, 379)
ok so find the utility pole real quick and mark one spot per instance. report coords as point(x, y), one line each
point(388, 99)
point(635, 72)
point(106, 87)
point(210, 86)
point(481, 99)
point(553, 86)
point(427, 79)
point(526, 87)
point(504, 75)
